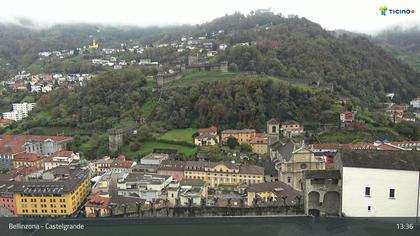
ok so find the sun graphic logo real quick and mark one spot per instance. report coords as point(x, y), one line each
point(383, 10)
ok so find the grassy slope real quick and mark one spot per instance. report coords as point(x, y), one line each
point(148, 146)
point(150, 104)
point(183, 135)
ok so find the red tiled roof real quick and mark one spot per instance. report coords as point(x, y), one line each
point(121, 162)
point(26, 156)
point(357, 146)
point(12, 144)
point(95, 200)
point(260, 138)
point(208, 130)
point(237, 131)
point(62, 153)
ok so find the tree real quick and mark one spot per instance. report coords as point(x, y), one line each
point(245, 147)
point(233, 67)
point(232, 142)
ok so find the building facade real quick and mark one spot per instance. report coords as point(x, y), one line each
point(60, 192)
point(259, 144)
point(220, 173)
point(292, 159)
point(379, 184)
point(322, 192)
point(25, 159)
point(291, 129)
point(243, 135)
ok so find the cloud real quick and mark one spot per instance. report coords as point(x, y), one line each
point(354, 15)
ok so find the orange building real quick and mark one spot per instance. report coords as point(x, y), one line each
point(243, 135)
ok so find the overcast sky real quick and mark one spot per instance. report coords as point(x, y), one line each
point(354, 15)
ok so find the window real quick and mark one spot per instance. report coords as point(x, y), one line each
point(369, 208)
point(367, 191)
point(273, 129)
point(391, 193)
point(288, 179)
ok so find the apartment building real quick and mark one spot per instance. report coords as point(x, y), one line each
point(59, 192)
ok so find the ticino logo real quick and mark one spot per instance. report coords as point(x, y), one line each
point(384, 10)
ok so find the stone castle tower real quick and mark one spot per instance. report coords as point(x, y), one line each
point(115, 139)
point(273, 131)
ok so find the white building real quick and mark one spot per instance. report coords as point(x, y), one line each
point(60, 158)
point(415, 102)
point(379, 183)
point(154, 158)
point(148, 187)
point(20, 111)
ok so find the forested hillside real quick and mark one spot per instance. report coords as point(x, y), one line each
point(290, 47)
point(243, 102)
point(403, 43)
point(106, 101)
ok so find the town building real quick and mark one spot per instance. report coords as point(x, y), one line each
point(292, 159)
point(121, 165)
point(291, 129)
point(346, 118)
point(243, 135)
point(60, 158)
point(102, 165)
point(213, 173)
point(154, 158)
point(415, 102)
point(144, 186)
point(25, 159)
point(396, 112)
point(207, 137)
point(7, 199)
point(59, 192)
point(145, 169)
point(97, 205)
point(11, 145)
point(20, 111)
point(259, 144)
point(24, 173)
point(377, 145)
point(322, 192)
point(379, 184)
point(192, 192)
point(223, 173)
point(272, 193)
point(172, 168)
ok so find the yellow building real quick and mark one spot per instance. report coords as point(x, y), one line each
point(293, 159)
point(102, 165)
point(94, 45)
point(223, 173)
point(291, 129)
point(243, 135)
point(259, 144)
point(60, 192)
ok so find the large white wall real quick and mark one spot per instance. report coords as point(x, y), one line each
point(355, 203)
